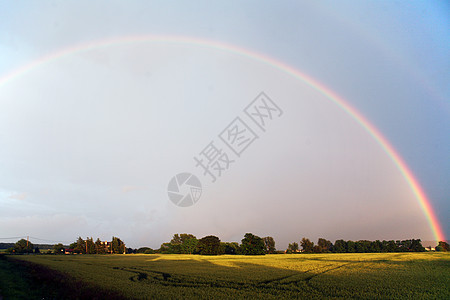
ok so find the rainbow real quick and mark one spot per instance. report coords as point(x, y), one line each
point(414, 185)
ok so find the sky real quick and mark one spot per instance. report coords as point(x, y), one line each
point(91, 138)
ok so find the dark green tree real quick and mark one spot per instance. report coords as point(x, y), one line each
point(416, 246)
point(316, 249)
point(363, 246)
point(80, 246)
point(307, 245)
point(100, 247)
point(443, 246)
point(189, 245)
point(58, 249)
point(23, 246)
point(182, 243)
point(145, 250)
point(176, 239)
point(404, 245)
point(231, 248)
point(73, 246)
point(351, 247)
point(340, 246)
point(165, 248)
point(399, 246)
point(186, 236)
point(292, 248)
point(324, 245)
point(208, 245)
point(376, 246)
point(252, 245)
point(117, 246)
point(175, 244)
point(389, 246)
point(269, 244)
point(91, 249)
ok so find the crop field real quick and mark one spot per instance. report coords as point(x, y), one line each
point(387, 275)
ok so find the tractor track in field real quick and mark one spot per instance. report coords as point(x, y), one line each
point(147, 276)
point(318, 290)
point(278, 279)
point(269, 286)
point(151, 276)
point(292, 275)
point(307, 279)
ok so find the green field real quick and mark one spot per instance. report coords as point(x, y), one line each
point(380, 276)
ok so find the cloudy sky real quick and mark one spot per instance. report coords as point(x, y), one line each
point(91, 137)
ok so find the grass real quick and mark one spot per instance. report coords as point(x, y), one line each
point(312, 276)
point(24, 280)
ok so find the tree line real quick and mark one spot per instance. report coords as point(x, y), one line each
point(88, 246)
point(80, 246)
point(363, 246)
point(211, 245)
point(251, 244)
point(254, 245)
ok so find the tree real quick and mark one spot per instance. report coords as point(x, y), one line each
point(145, 250)
point(389, 246)
point(316, 249)
point(269, 244)
point(80, 246)
point(363, 246)
point(90, 246)
point(209, 245)
point(182, 243)
point(175, 244)
point(252, 245)
point(58, 249)
point(307, 245)
point(399, 246)
point(231, 248)
point(443, 246)
point(186, 237)
point(351, 247)
point(324, 245)
point(176, 239)
point(416, 246)
point(131, 251)
point(405, 245)
point(117, 246)
point(166, 248)
point(376, 246)
point(189, 245)
point(73, 246)
point(100, 247)
point(292, 248)
point(23, 246)
point(340, 246)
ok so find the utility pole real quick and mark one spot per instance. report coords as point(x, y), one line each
point(27, 241)
point(86, 245)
